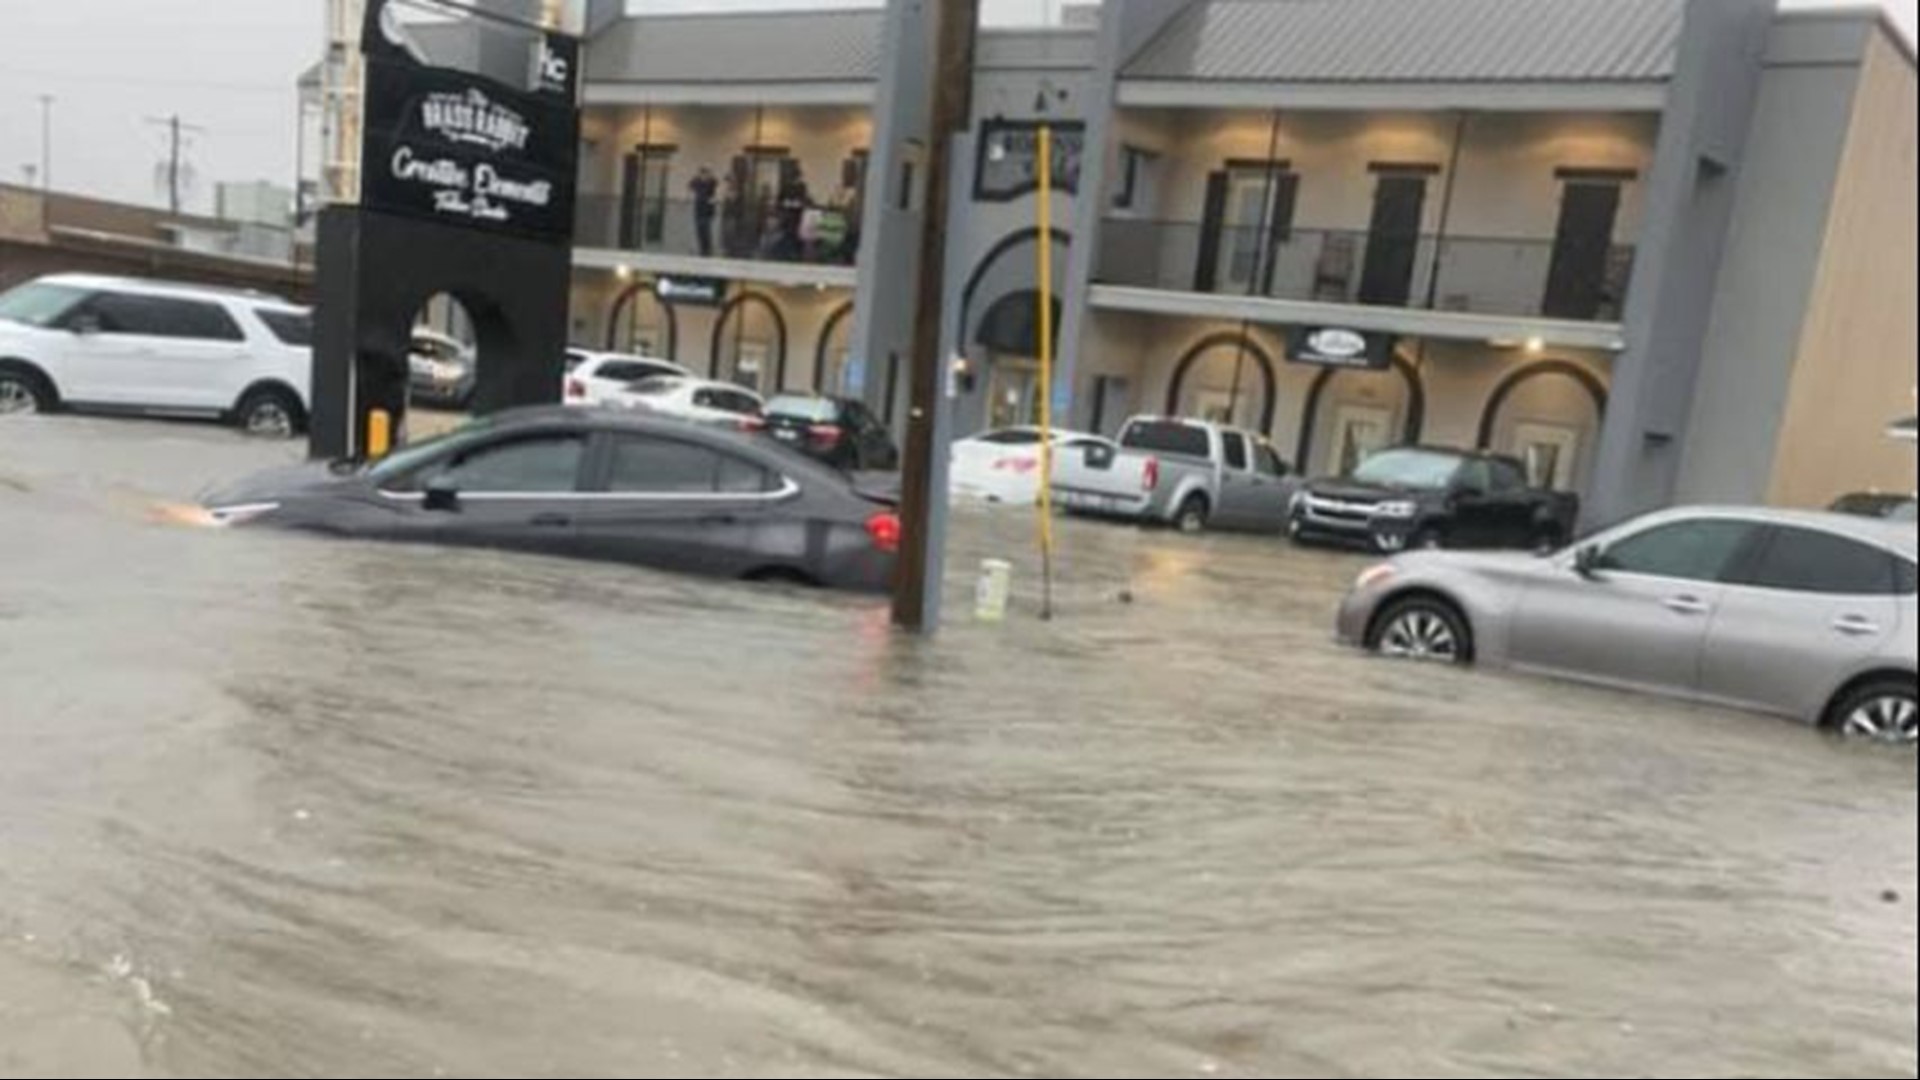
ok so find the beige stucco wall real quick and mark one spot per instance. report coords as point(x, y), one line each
point(1856, 368)
point(1507, 184)
point(1459, 381)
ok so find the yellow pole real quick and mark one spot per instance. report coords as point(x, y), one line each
point(379, 434)
point(1045, 154)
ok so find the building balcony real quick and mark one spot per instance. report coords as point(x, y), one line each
point(1503, 277)
point(815, 245)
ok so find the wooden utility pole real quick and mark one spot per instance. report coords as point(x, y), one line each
point(175, 131)
point(957, 32)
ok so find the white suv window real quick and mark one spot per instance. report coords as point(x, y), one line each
point(159, 316)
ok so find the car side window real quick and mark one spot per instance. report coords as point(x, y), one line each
point(1811, 561)
point(1508, 478)
point(289, 327)
point(1233, 447)
point(643, 466)
point(1702, 550)
point(546, 464)
point(706, 399)
point(161, 316)
point(1270, 463)
point(1475, 477)
point(735, 402)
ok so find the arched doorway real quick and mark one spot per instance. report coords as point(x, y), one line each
point(643, 324)
point(443, 368)
point(1352, 414)
point(1008, 340)
point(750, 344)
point(833, 369)
point(1548, 414)
point(1227, 378)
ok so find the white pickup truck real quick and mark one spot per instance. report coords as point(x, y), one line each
point(1184, 473)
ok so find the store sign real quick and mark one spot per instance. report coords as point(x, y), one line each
point(1333, 346)
point(464, 148)
point(695, 291)
point(1009, 164)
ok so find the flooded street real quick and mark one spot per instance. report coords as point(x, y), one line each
point(274, 806)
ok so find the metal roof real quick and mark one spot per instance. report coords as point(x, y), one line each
point(1417, 41)
point(760, 47)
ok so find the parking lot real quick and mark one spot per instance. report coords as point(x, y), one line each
point(273, 805)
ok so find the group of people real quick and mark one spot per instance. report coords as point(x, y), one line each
point(783, 223)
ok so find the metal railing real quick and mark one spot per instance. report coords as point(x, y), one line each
point(1479, 275)
point(817, 235)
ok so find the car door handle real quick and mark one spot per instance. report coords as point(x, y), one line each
point(552, 521)
point(1686, 605)
point(1856, 626)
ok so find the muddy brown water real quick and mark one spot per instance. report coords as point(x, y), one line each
point(272, 806)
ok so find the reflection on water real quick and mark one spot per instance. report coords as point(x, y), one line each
point(273, 806)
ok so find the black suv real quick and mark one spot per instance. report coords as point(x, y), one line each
point(1421, 496)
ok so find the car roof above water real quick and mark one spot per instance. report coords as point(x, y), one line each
point(179, 289)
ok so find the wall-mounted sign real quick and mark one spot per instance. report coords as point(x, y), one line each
point(466, 148)
point(694, 291)
point(1009, 164)
point(1333, 346)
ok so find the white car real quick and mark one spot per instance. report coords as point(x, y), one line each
point(695, 399)
point(124, 345)
point(594, 378)
point(1004, 466)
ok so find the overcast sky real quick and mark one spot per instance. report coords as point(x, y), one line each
point(227, 66)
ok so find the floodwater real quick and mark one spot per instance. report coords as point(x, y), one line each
point(272, 806)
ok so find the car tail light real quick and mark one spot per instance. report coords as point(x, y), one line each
point(575, 389)
point(825, 433)
point(752, 424)
point(885, 529)
point(1021, 465)
point(1150, 476)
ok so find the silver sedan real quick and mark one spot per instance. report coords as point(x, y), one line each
point(1799, 614)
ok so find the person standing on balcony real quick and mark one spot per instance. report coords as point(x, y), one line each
point(736, 230)
point(794, 201)
point(706, 189)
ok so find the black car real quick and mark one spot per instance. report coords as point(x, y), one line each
point(842, 432)
point(1875, 504)
point(1421, 496)
point(596, 484)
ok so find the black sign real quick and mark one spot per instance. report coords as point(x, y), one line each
point(1009, 164)
point(1333, 346)
point(464, 148)
point(694, 291)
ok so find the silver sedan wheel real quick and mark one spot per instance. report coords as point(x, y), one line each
point(269, 420)
point(1421, 634)
point(17, 398)
point(1889, 718)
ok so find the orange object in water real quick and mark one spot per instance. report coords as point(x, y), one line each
point(379, 434)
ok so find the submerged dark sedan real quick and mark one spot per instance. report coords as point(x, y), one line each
point(596, 484)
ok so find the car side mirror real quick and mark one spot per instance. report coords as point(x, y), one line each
point(1588, 561)
point(441, 494)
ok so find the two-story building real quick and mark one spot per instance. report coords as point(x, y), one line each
point(1658, 249)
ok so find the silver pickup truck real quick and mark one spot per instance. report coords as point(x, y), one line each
point(1184, 473)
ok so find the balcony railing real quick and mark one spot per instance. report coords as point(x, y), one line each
point(1478, 275)
point(817, 235)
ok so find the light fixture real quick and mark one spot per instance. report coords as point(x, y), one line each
point(624, 273)
point(1536, 345)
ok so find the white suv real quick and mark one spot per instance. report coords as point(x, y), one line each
point(117, 344)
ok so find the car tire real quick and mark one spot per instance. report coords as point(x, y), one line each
point(269, 412)
point(25, 392)
point(1880, 710)
point(1193, 516)
point(1423, 628)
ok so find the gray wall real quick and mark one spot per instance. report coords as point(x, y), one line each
point(1698, 166)
point(1773, 254)
point(1126, 26)
point(885, 296)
